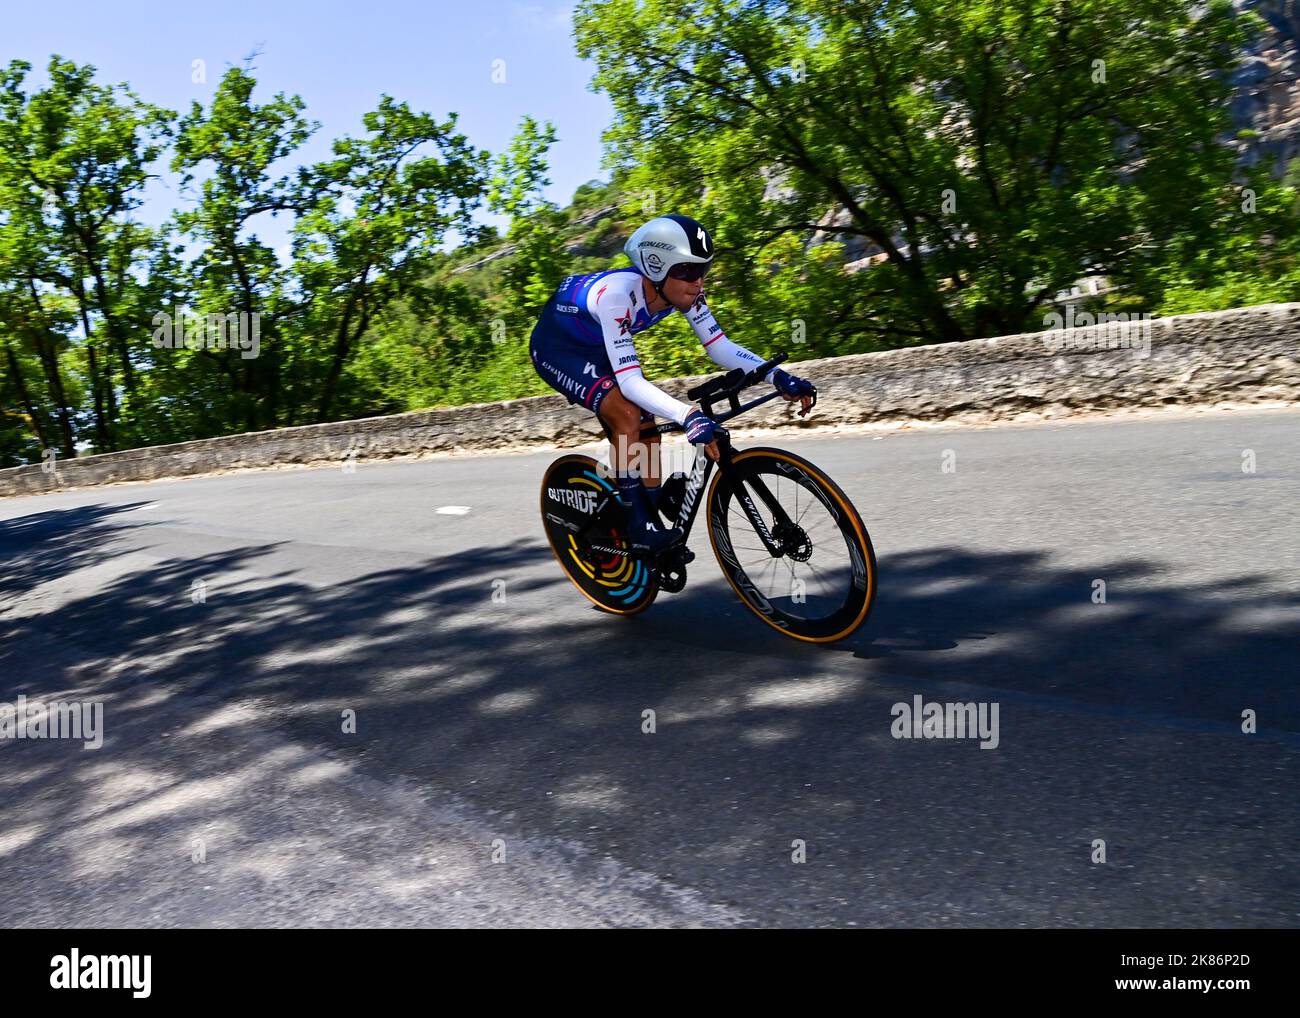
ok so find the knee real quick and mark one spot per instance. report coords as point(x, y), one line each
point(626, 420)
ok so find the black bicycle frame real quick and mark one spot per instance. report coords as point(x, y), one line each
point(703, 468)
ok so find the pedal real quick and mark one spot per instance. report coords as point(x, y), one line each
point(672, 569)
point(672, 579)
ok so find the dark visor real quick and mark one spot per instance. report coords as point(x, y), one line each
point(689, 273)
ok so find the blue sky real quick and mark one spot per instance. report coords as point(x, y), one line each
point(340, 56)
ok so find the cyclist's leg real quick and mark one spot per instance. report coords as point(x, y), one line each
point(584, 376)
point(623, 420)
point(636, 466)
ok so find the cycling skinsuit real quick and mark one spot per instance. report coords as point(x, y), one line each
point(582, 343)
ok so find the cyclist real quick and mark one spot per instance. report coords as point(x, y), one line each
point(582, 346)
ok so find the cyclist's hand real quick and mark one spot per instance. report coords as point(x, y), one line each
point(805, 403)
point(700, 430)
point(792, 388)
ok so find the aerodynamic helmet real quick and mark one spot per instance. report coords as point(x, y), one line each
point(666, 242)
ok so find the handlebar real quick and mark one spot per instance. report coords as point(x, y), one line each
point(733, 381)
point(727, 387)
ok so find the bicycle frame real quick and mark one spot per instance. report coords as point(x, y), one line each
point(701, 470)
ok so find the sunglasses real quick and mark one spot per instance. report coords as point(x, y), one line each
point(688, 273)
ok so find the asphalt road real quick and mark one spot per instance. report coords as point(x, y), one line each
point(499, 772)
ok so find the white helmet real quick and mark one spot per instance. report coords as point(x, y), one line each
point(668, 241)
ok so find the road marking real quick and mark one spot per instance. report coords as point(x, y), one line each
point(453, 510)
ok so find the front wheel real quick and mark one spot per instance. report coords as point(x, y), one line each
point(821, 582)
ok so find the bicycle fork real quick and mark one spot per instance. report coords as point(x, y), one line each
point(780, 518)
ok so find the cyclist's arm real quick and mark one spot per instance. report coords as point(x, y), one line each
point(720, 349)
point(627, 369)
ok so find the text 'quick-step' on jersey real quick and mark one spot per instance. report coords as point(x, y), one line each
point(582, 344)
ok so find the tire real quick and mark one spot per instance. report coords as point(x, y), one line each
point(846, 591)
point(572, 489)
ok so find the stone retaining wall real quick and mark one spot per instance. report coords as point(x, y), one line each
point(1240, 356)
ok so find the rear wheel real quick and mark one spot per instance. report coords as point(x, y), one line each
point(584, 525)
point(820, 585)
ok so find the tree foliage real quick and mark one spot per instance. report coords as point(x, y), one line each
point(878, 173)
point(981, 155)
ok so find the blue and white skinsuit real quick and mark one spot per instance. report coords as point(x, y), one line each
point(582, 343)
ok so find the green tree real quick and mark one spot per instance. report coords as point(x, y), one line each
point(981, 154)
point(237, 142)
point(33, 330)
point(74, 161)
point(23, 429)
point(374, 216)
point(1253, 259)
point(538, 261)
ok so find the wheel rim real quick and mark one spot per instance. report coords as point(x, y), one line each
point(808, 582)
point(825, 546)
point(571, 488)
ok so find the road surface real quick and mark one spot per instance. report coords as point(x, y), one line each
point(499, 773)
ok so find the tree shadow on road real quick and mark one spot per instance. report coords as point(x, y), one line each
point(43, 546)
point(1012, 621)
point(535, 708)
